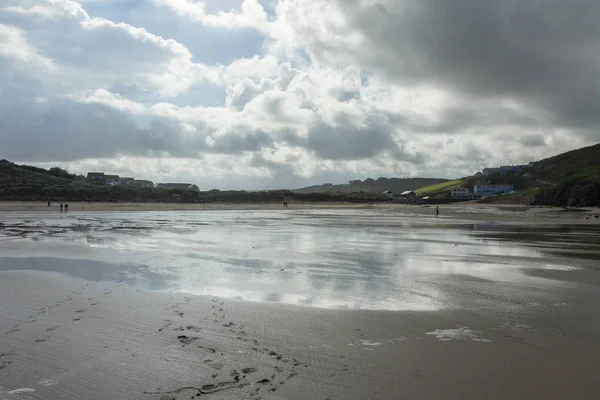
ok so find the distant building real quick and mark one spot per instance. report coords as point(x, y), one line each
point(503, 170)
point(96, 176)
point(127, 181)
point(112, 179)
point(388, 194)
point(486, 189)
point(143, 183)
point(190, 187)
point(460, 193)
point(490, 171)
point(515, 169)
point(408, 197)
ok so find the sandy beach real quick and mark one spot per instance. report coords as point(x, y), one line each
point(305, 303)
point(468, 210)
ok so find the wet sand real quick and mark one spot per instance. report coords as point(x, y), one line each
point(322, 304)
point(468, 210)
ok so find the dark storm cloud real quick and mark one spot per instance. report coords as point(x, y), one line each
point(544, 53)
point(234, 143)
point(65, 130)
point(348, 141)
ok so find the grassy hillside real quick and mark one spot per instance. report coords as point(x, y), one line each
point(396, 185)
point(575, 178)
point(23, 182)
point(568, 179)
point(581, 165)
point(438, 188)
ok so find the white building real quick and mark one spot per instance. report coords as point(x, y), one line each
point(408, 197)
point(388, 194)
point(484, 189)
point(460, 193)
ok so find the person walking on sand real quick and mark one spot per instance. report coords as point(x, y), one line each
point(61, 207)
point(48, 203)
point(66, 207)
point(437, 211)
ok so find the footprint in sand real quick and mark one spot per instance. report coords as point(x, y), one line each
point(51, 328)
point(193, 328)
point(217, 366)
point(166, 323)
point(42, 339)
point(186, 339)
point(249, 370)
point(4, 363)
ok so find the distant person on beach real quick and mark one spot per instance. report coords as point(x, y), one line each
point(61, 207)
point(66, 207)
point(437, 211)
point(48, 203)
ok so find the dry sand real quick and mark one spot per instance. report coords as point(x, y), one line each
point(64, 338)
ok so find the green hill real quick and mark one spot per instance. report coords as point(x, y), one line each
point(567, 179)
point(438, 189)
point(25, 182)
point(581, 165)
point(379, 185)
point(574, 177)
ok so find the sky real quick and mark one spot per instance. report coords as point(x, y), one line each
point(263, 94)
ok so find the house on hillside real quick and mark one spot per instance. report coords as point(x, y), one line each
point(127, 181)
point(95, 176)
point(143, 183)
point(388, 194)
point(184, 187)
point(515, 169)
point(112, 179)
point(485, 189)
point(460, 193)
point(408, 197)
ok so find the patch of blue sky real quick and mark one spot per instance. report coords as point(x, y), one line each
point(208, 45)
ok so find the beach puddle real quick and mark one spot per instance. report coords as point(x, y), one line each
point(323, 259)
point(459, 333)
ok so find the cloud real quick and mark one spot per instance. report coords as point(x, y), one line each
point(14, 47)
point(251, 14)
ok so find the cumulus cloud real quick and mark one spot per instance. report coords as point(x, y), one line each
point(338, 90)
point(14, 47)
